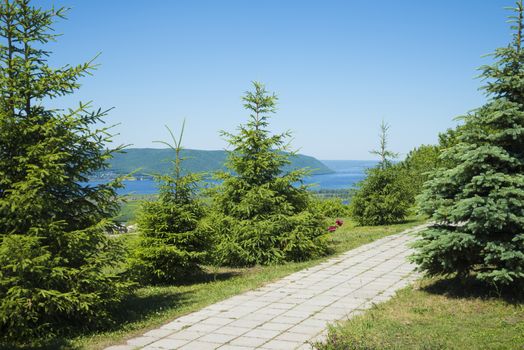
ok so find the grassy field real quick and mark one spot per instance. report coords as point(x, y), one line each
point(151, 306)
point(129, 206)
point(436, 314)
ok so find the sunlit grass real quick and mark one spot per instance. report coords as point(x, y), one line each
point(436, 314)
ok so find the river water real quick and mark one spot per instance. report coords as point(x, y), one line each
point(347, 174)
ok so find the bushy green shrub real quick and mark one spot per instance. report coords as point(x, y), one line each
point(417, 166)
point(270, 238)
point(382, 198)
point(173, 241)
point(44, 293)
point(477, 199)
point(56, 261)
point(259, 216)
point(332, 207)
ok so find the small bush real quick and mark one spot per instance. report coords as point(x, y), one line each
point(332, 207)
point(382, 198)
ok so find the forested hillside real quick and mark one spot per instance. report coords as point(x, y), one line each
point(146, 161)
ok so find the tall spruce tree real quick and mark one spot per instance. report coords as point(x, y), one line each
point(54, 253)
point(477, 200)
point(172, 240)
point(260, 214)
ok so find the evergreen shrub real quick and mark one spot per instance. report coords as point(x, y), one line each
point(172, 238)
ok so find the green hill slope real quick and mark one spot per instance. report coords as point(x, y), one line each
point(147, 161)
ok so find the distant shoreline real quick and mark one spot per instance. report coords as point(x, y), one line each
point(345, 175)
point(143, 163)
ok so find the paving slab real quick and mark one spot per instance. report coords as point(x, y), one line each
point(294, 311)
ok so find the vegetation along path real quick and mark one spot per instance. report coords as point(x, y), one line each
point(294, 311)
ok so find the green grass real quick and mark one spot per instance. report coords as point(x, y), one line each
point(151, 306)
point(129, 206)
point(436, 314)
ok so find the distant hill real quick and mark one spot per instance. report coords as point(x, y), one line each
point(156, 161)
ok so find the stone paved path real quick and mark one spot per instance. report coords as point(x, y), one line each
point(290, 313)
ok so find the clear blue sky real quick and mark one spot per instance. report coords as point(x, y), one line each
point(339, 67)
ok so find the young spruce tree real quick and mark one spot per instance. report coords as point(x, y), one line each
point(382, 198)
point(172, 241)
point(260, 215)
point(477, 200)
point(55, 256)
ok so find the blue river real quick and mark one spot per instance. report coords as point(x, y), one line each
point(347, 173)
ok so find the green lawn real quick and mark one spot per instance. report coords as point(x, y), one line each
point(149, 307)
point(129, 206)
point(436, 314)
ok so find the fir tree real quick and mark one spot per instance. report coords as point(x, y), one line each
point(477, 200)
point(383, 197)
point(54, 251)
point(383, 152)
point(172, 241)
point(259, 215)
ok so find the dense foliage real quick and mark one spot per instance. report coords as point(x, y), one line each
point(55, 256)
point(417, 166)
point(333, 207)
point(172, 241)
point(259, 215)
point(383, 197)
point(477, 200)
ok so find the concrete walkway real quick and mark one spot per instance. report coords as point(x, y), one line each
point(294, 311)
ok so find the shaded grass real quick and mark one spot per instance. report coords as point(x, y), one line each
point(436, 314)
point(151, 306)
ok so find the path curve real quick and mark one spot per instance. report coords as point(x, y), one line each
point(295, 310)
